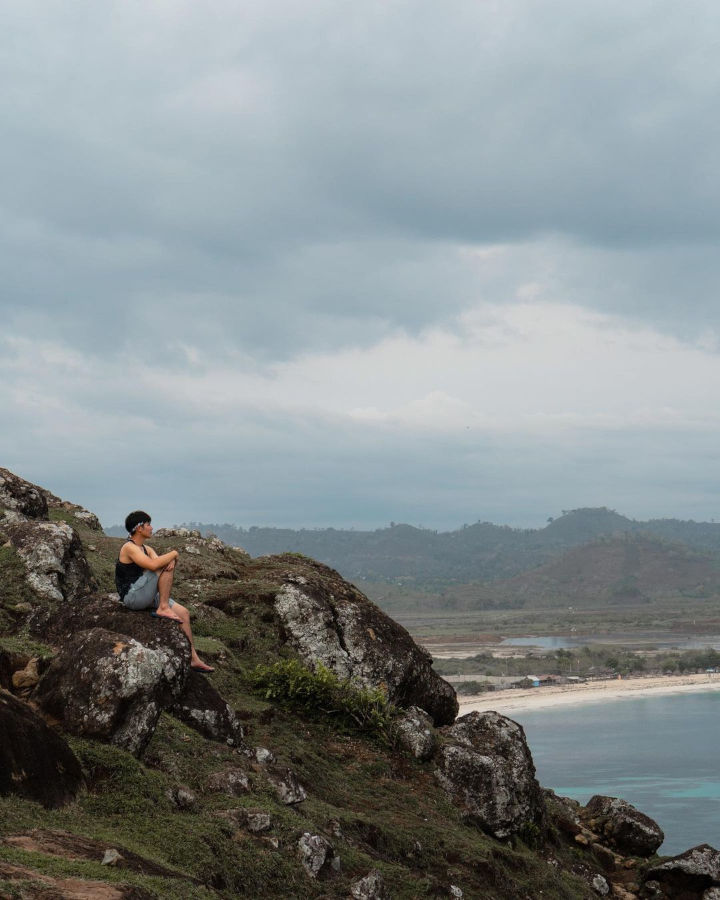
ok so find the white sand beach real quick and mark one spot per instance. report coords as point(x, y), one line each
point(515, 699)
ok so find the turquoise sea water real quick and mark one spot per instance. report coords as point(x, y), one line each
point(662, 754)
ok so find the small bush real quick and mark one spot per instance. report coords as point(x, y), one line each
point(321, 692)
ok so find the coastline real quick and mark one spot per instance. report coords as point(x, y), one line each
point(526, 699)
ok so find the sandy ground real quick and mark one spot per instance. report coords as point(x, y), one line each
point(515, 699)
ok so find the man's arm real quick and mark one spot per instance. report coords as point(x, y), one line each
point(151, 561)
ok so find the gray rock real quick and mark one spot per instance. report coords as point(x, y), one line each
point(258, 821)
point(287, 786)
point(184, 798)
point(696, 870)
point(486, 767)
point(327, 620)
point(316, 855)
point(455, 892)
point(254, 820)
point(110, 686)
point(35, 761)
point(371, 887)
point(415, 733)
point(631, 832)
point(22, 496)
point(712, 893)
point(232, 781)
point(201, 707)
point(53, 557)
point(111, 858)
point(263, 755)
point(600, 885)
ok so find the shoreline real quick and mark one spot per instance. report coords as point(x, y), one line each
point(529, 699)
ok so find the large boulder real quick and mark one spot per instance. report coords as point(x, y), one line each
point(486, 767)
point(109, 686)
point(35, 762)
point(118, 670)
point(22, 496)
point(327, 620)
point(53, 556)
point(115, 672)
point(690, 874)
point(625, 828)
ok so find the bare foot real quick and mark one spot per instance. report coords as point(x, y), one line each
point(165, 612)
point(199, 666)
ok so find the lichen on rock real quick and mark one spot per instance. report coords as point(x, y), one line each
point(486, 766)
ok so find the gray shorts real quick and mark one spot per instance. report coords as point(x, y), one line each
point(143, 593)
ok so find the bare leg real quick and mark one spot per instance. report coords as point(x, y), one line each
point(184, 617)
point(165, 580)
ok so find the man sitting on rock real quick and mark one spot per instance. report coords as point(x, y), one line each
point(144, 580)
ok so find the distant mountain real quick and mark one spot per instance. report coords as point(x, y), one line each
point(617, 570)
point(482, 552)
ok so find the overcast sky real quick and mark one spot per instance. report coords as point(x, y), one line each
point(317, 262)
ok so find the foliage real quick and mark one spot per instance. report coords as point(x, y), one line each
point(584, 661)
point(477, 552)
point(322, 692)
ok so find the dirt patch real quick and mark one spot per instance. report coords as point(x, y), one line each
point(64, 845)
point(35, 886)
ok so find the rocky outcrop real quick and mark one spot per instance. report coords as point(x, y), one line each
point(625, 828)
point(486, 766)
point(22, 496)
point(689, 875)
point(53, 556)
point(327, 620)
point(109, 686)
point(35, 762)
point(81, 515)
point(51, 551)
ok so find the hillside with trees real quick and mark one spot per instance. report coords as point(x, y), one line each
point(482, 552)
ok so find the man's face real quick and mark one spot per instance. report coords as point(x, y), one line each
point(145, 529)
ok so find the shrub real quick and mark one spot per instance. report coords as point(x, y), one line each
point(321, 692)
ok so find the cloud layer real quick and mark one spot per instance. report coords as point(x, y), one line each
point(321, 263)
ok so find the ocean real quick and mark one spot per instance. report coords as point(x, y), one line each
point(662, 754)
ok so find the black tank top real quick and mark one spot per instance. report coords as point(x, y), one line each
point(126, 574)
